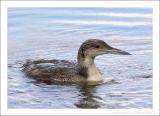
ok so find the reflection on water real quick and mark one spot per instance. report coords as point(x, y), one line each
point(57, 33)
point(88, 97)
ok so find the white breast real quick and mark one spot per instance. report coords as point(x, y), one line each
point(94, 74)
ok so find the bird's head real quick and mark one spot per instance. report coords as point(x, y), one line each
point(94, 47)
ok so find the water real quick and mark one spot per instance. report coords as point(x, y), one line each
point(56, 33)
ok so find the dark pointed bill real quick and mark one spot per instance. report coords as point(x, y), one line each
point(118, 51)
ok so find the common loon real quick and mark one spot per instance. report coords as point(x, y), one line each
point(65, 71)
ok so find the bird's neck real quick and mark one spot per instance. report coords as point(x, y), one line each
point(88, 69)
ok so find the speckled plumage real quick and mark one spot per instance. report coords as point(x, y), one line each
point(65, 71)
point(52, 71)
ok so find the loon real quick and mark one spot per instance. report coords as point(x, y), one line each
point(84, 70)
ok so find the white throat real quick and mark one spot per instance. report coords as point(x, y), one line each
point(94, 74)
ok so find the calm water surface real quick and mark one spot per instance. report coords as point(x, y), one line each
point(57, 33)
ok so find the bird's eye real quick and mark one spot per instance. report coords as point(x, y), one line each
point(97, 46)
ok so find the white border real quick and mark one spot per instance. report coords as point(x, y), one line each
point(152, 4)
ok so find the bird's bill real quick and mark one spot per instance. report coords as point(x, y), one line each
point(117, 51)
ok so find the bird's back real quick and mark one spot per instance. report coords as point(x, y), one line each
point(52, 71)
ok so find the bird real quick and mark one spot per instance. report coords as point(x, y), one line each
point(64, 71)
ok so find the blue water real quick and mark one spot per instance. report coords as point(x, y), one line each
point(57, 33)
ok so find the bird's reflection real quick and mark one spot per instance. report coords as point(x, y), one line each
point(88, 98)
point(87, 93)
